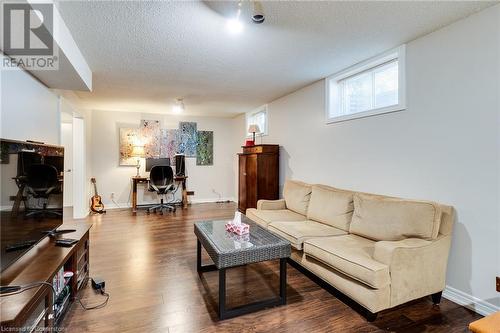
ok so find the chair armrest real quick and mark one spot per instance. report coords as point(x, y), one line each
point(417, 267)
point(271, 204)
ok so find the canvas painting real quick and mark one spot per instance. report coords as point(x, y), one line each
point(128, 138)
point(168, 144)
point(205, 148)
point(150, 137)
point(187, 139)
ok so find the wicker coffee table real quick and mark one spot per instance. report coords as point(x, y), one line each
point(230, 250)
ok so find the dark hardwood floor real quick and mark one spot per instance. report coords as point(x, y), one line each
point(149, 265)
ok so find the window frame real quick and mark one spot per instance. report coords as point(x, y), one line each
point(248, 115)
point(332, 100)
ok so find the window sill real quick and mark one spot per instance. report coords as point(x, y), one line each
point(364, 114)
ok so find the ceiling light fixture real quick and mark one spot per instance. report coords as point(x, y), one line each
point(178, 106)
point(234, 25)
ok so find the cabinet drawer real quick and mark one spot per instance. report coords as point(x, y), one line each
point(261, 149)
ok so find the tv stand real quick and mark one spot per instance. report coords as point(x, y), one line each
point(33, 309)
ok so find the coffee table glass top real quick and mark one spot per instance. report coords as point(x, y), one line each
point(224, 241)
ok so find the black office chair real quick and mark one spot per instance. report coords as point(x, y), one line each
point(161, 181)
point(41, 183)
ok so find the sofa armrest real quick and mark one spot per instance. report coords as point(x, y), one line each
point(388, 252)
point(417, 267)
point(271, 204)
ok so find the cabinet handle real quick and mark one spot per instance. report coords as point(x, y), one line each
point(244, 173)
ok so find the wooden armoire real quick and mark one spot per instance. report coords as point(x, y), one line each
point(258, 175)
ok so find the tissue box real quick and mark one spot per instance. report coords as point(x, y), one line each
point(240, 229)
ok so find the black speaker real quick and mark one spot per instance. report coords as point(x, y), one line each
point(180, 165)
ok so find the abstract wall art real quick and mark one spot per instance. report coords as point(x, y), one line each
point(150, 137)
point(162, 142)
point(128, 138)
point(205, 148)
point(168, 144)
point(187, 139)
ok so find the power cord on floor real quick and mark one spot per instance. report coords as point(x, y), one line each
point(98, 285)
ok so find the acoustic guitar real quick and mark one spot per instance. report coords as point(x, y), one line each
point(96, 204)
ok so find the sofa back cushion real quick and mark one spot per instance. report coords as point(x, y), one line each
point(297, 195)
point(391, 219)
point(331, 206)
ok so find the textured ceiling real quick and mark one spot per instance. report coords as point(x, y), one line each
point(145, 54)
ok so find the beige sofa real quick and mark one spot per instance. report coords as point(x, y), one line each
point(379, 251)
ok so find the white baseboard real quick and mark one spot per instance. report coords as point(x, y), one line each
point(470, 302)
point(211, 200)
point(110, 206)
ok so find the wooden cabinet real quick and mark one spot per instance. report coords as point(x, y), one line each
point(38, 309)
point(258, 175)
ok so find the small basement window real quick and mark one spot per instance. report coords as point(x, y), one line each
point(372, 87)
point(257, 117)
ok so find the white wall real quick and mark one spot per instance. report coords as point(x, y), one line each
point(444, 147)
point(29, 110)
point(202, 179)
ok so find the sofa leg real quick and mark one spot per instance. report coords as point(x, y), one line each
point(370, 316)
point(436, 298)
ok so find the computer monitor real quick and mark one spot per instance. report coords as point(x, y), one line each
point(151, 162)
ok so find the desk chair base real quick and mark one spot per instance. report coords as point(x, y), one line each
point(161, 206)
point(30, 212)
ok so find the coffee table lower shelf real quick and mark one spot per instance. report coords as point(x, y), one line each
point(225, 313)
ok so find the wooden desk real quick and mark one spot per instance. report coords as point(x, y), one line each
point(141, 180)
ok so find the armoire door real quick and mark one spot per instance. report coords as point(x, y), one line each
point(251, 181)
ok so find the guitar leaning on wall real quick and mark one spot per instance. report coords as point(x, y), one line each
point(96, 205)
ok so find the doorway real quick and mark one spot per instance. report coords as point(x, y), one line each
point(75, 175)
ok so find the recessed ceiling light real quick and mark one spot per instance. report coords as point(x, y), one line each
point(178, 106)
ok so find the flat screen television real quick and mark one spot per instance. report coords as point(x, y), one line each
point(31, 183)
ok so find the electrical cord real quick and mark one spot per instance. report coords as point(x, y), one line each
point(97, 306)
point(22, 288)
point(5, 291)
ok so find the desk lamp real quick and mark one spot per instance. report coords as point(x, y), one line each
point(138, 151)
point(253, 129)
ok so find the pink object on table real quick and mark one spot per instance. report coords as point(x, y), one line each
point(240, 229)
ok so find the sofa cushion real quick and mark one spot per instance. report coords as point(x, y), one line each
point(297, 232)
point(350, 255)
point(392, 219)
point(331, 206)
point(297, 195)
point(264, 217)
